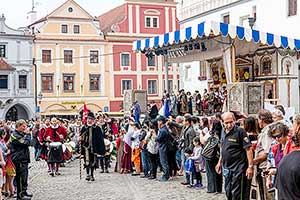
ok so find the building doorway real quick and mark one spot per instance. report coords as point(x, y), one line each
point(16, 112)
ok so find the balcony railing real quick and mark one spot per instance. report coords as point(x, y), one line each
point(193, 8)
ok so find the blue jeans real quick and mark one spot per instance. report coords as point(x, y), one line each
point(178, 158)
point(163, 156)
point(145, 162)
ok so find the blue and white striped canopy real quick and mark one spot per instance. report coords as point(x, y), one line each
point(205, 29)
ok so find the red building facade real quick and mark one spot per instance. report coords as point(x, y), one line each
point(135, 20)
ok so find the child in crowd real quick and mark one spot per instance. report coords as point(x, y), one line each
point(189, 168)
point(198, 161)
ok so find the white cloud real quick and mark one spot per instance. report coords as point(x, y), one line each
point(16, 11)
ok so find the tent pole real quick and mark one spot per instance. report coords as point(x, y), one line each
point(233, 63)
point(166, 73)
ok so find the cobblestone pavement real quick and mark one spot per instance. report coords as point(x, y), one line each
point(110, 186)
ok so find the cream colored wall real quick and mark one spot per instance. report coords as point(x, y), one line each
point(86, 28)
point(50, 37)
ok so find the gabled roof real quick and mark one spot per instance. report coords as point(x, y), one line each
point(4, 65)
point(52, 14)
point(112, 17)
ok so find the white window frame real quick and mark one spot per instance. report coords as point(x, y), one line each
point(23, 74)
point(63, 83)
point(121, 64)
point(156, 92)
point(223, 15)
point(74, 29)
point(131, 80)
point(6, 50)
point(98, 75)
point(8, 82)
point(151, 21)
point(187, 76)
point(154, 62)
point(62, 29)
point(73, 53)
point(50, 63)
point(98, 56)
point(244, 18)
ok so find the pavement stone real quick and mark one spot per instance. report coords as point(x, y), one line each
point(110, 186)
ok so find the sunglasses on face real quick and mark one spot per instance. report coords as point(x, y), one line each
point(277, 136)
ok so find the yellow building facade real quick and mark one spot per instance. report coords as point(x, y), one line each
point(71, 60)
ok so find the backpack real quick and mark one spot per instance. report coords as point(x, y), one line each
point(210, 149)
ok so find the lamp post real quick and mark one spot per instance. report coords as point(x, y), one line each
point(251, 21)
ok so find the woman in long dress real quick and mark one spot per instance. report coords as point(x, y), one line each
point(126, 158)
point(120, 149)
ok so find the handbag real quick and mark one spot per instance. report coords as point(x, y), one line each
point(210, 149)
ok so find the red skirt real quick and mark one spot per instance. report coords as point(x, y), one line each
point(126, 158)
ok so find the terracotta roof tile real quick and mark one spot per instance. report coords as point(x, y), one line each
point(111, 17)
point(4, 65)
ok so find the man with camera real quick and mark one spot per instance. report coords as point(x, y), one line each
point(20, 141)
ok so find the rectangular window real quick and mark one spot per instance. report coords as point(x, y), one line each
point(188, 73)
point(22, 81)
point(76, 29)
point(152, 87)
point(170, 82)
point(151, 22)
point(155, 22)
point(125, 59)
point(148, 22)
point(68, 56)
point(151, 61)
point(46, 56)
point(94, 57)
point(170, 89)
point(94, 82)
point(68, 83)
point(3, 81)
point(2, 51)
point(126, 85)
point(292, 7)
point(64, 28)
point(226, 19)
point(47, 83)
point(202, 69)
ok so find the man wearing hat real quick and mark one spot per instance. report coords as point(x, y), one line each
point(163, 138)
point(92, 142)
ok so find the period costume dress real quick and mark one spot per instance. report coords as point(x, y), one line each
point(92, 142)
point(56, 135)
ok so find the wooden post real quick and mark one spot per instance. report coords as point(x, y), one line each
point(233, 63)
point(289, 91)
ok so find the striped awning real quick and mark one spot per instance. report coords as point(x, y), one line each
point(217, 28)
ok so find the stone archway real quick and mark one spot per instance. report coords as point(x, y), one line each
point(16, 112)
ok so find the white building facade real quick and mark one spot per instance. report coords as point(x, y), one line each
point(16, 78)
point(273, 16)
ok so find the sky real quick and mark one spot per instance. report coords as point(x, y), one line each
point(15, 11)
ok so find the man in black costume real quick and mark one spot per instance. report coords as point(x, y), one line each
point(92, 142)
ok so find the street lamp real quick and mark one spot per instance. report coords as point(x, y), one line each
point(40, 97)
point(251, 21)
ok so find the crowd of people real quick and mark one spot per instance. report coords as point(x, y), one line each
point(256, 157)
